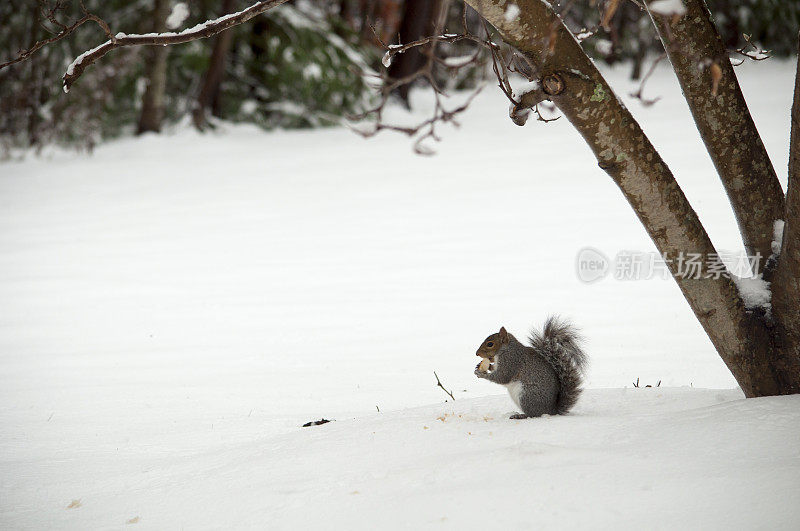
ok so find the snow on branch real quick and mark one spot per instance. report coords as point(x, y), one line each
point(200, 31)
point(755, 293)
point(756, 54)
point(668, 8)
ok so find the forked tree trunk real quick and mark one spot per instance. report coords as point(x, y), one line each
point(712, 91)
point(153, 99)
point(569, 79)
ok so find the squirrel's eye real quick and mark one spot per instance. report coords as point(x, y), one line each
point(489, 344)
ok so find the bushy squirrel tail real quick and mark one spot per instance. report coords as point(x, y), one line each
point(559, 344)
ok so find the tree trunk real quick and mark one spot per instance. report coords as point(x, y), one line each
point(570, 79)
point(153, 99)
point(712, 91)
point(209, 92)
point(420, 19)
point(786, 282)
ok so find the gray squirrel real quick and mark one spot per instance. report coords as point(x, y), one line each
point(543, 378)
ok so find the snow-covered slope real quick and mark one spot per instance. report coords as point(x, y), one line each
point(174, 307)
point(636, 458)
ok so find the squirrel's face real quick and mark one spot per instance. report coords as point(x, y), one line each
point(491, 345)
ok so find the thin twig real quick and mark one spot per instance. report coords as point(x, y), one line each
point(638, 94)
point(439, 383)
point(757, 54)
point(66, 30)
point(501, 66)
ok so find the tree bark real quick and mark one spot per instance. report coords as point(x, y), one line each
point(570, 79)
point(153, 99)
point(786, 282)
point(698, 56)
point(216, 70)
point(420, 19)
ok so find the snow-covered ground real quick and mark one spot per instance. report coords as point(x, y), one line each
point(175, 307)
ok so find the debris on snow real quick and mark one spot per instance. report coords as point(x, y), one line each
point(316, 423)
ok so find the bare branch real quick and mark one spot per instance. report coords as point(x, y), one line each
point(201, 31)
point(610, 11)
point(504, 61)
point(65, 31)
point(756, 54)
point(425, 129)
point(394, 49)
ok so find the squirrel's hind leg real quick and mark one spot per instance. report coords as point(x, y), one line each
point(519, 416)
point(536, 401)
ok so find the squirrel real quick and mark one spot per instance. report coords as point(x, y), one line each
point(543, 378)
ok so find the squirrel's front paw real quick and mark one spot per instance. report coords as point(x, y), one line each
point(478, 372)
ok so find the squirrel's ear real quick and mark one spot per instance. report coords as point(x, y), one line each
point(503, 335)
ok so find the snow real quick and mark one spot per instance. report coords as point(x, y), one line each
point(512, 12)
point(777, 236)
point(176, 306)
point(604, 46)
point(758, 55)
point(675, 458)
point(754, 291)
point(458, 61)
point(178, 15)
point(312, 71)
point(667, 7)
point(522, 87)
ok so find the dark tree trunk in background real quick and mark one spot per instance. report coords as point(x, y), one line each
point(376, 20)
point(389, 13)
point(421, 18)
point(209, 92)
point(153, 100)
point(33, 137)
